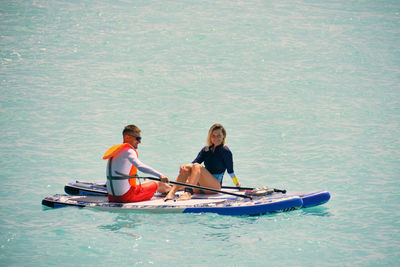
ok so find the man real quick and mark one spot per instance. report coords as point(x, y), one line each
point(123, 159)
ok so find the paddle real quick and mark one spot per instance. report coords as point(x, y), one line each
point(250, 188)
point(186, 185)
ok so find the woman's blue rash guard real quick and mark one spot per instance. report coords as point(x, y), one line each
point(216, 162)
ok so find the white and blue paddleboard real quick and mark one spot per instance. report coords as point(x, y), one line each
point(213, 203)
point(310, 199)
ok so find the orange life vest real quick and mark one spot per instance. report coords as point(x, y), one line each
point(114, 150)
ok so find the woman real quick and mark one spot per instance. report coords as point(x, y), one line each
point(217, 159)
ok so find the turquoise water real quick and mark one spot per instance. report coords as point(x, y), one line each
point(309, 92)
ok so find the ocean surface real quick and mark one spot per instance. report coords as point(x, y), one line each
point(308, 91)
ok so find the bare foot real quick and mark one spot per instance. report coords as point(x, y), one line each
point(185, 196)
point(170, 196)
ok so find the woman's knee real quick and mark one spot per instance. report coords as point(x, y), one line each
point(197, 168)
point(185, 169)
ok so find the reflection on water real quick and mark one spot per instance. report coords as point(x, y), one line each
point(126, 224)
point(226, 228)
point(317, 211)
point(211, 227)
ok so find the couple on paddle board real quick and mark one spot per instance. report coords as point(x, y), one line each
point(124, 159)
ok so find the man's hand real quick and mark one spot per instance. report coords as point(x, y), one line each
point(164, 179)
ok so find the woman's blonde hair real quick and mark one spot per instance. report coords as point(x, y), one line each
point(216, 126)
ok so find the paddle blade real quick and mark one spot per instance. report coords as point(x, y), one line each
point(259, 192)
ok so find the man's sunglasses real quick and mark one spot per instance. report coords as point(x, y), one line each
point(136, 137)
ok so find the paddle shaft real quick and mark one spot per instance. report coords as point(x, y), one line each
point(238, 188)
point(187, 185)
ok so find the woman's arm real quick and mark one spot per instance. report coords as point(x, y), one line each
point(228, 160)
point(201, 156)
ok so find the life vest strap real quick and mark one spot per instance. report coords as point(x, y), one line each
point(111, 178)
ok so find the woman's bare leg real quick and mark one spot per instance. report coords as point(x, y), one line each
point(184, 173)
point(201, 176)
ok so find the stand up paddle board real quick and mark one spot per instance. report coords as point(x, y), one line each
point(310, 199)
point(213, 203)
